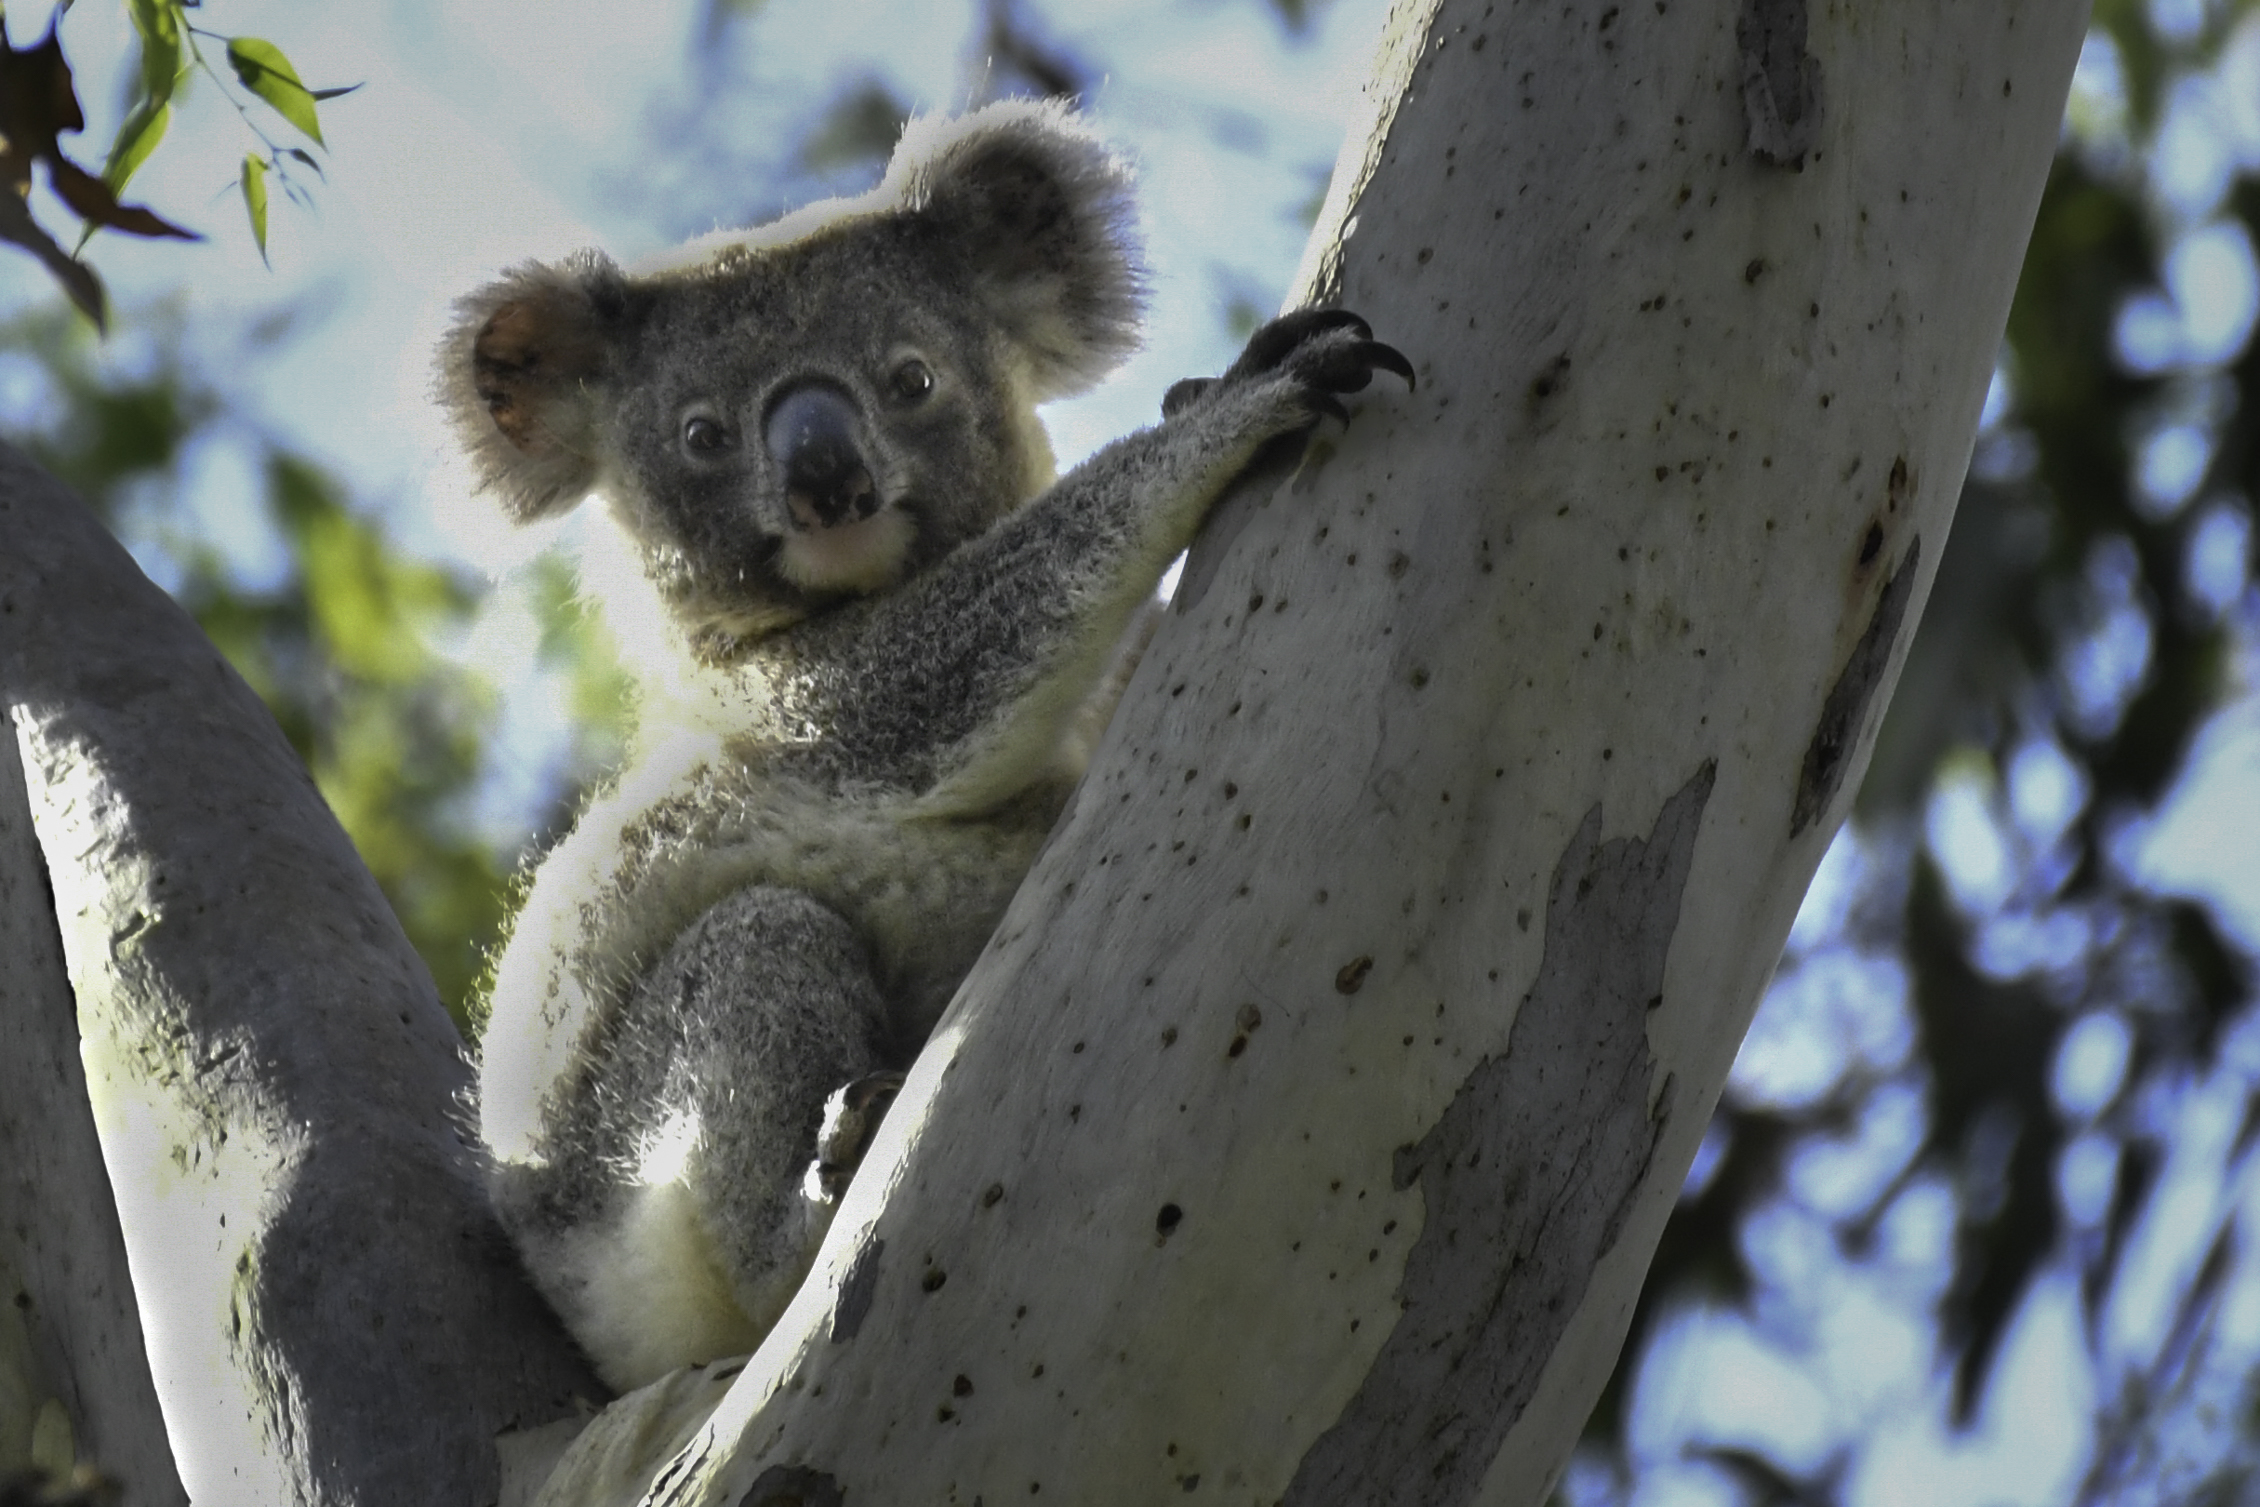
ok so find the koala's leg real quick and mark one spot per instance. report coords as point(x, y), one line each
point(695, 1218)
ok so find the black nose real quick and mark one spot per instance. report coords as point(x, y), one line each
point(810, 436)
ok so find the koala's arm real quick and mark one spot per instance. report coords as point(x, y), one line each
point(973, 672)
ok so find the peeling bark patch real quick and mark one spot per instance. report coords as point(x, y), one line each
point(856, 1288)
point(1847, 706)
point(793, 1486)
point(1781, 82)
point(1526, 1178)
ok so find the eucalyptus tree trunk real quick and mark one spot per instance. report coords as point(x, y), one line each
point(1304, 1135)
point(327, 1311)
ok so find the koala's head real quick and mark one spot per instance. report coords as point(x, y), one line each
point(815, 409)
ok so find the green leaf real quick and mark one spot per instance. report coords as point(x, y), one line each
point(158, 24)
point(255, 199)
point(264, 70)
point(137, 138)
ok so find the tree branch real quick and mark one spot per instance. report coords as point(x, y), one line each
point(331, 1313)
point(61, 1252)
point(1306, 1129)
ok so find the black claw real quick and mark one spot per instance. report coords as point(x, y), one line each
point(1272, 344)
point(1388, 358)
point(1338, 366)
point(1335, 319)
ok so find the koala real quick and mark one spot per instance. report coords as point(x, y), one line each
point(870, 634)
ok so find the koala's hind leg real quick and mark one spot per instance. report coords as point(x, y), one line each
point(726, 1051)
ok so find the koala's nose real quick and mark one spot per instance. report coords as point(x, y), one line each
point(810, 437)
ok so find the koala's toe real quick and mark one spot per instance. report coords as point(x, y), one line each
point(1272, 345)
point(1341, 360)
point(1320, 401)
point(851, 1118)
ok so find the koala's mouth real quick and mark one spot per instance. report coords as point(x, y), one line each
point(850, 500)
point(865, 555)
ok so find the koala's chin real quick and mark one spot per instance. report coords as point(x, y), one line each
point(873, 637)
point(864, 556)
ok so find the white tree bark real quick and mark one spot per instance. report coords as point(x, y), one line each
point(331, 1314)
point(80, 1375)
point(1306, 1131)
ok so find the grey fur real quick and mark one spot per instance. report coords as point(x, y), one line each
point(871, 643)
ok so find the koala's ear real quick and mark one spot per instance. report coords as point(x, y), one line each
point(1041, 211)
point(518, 375)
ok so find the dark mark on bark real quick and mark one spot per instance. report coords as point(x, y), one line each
point(1781, 82)
point(793, 1486)
point(1550, 381)
point(1526, 1179)
point(1846, 709)
point(856, 1288)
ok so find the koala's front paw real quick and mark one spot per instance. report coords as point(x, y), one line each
point(851, 1118)
point(1321, 352)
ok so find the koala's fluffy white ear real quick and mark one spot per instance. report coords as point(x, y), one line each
point(1042, 212)
point(515, 376)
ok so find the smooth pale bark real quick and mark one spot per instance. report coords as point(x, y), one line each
point(79, 1368)
point(1305, 1133)
point(331, 1314)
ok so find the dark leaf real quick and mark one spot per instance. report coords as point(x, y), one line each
point(2139, 1164)
point(1766, 1484)
point(2247, 1129)
point(78, 279)
point(37, 105)
point(1998, 1259)
point(95, 204)
point(860, 127)
point(1989, 1045)
point(1017, 54)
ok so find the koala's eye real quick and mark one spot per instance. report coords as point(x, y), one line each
point(704, 435)
point(911, 381)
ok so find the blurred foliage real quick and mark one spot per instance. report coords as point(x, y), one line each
point(858, 130)
point(338, 645)
point(38, 104)
point(2079, 627)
